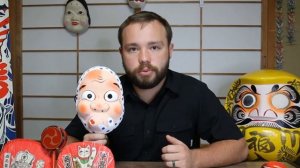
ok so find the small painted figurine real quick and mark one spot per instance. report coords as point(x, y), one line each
point(273, 164)
point(265, 105)
point(99, 100)
point(76, 18)
point(85, 155)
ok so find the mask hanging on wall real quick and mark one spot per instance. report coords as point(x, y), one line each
point(76, 17)
point(137, 5)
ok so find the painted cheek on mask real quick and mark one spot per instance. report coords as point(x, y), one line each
point(117, 109)
point(83, 108)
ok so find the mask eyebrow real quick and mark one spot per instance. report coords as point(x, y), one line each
point(117, 85)
point(275, 88)
point(82, 86)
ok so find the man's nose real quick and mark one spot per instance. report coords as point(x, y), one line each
point(144, 56)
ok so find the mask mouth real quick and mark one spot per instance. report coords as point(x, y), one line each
point(108, 125)
point(267, 124)
point(75, 23)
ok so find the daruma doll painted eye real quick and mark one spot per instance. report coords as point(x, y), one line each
point(99, 100)
point(265, 105)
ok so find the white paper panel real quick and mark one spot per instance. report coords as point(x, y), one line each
point(102, 15)
point(45, 16)
point(49, 107)
point(33, 2)
point(232, 14)
point(63, 85)
point(234, 0)
point(186, 37)
point(177, 13)
point(231, 61)
point(219, 84)
point(106, 1)
point(48, 39)
point(185, 61)
point(99, 39)
point(231, 38)
point(49, 62)
point(33, 129)
point(38, 2)
point(111, 60)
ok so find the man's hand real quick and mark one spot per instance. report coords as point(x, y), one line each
point(177, 154)
point(96, 137)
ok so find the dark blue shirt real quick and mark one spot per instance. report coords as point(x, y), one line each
point(184, 108)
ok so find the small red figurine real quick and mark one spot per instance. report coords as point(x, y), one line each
point(273, 164)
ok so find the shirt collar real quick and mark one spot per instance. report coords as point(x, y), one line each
point(172, 84)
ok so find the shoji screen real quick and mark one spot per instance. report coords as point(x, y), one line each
point(216, 44)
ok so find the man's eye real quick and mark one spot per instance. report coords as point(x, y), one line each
point(155, 48)
point(80, 12)
point(69, 12)
point(88, 95)
point(132, 49)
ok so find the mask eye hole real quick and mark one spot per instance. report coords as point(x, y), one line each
point(248, 100)
point(111, 96)
point(88, 95)
point(280, 101)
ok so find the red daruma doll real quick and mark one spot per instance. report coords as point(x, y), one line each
point(99, 100)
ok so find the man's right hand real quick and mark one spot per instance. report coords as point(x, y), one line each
point(96, 137)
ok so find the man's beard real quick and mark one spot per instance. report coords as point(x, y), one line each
point(146, 82)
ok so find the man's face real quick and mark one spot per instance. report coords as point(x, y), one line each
point(145, 53)
point(75, 18)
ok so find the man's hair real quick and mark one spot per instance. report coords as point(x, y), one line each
point(145, 17)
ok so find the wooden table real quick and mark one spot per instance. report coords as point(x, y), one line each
point(161, 165)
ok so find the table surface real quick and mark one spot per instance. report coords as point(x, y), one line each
point(161, 165)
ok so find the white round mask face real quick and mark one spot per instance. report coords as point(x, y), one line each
point(99, 100)
point(76, 17)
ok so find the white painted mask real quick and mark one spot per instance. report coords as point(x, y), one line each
point(76, 17)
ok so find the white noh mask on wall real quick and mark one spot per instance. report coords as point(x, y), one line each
point(137, 4)
point(76, 17)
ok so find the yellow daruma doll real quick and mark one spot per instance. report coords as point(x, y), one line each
point(265, 106)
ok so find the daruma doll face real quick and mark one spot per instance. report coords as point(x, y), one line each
point(100, 103)
point(266, 107)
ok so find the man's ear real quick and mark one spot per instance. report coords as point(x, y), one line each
point(171, 48)
point(120, 50)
